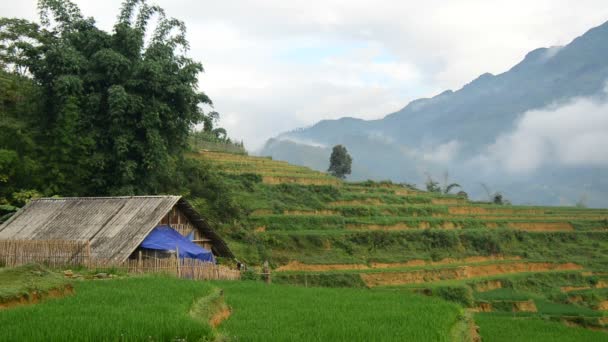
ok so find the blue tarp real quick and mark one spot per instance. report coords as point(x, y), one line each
point(166, 238)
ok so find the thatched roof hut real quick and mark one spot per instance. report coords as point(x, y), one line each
point(114, 226)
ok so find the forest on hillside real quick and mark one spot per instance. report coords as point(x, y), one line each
point(85, 112)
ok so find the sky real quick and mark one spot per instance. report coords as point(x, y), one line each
point(276, 65)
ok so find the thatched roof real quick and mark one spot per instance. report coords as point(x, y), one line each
point(115, 226)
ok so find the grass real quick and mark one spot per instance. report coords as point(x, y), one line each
point(21, 281)
point(131, 309)
point(499, 328)
point(287, 313)
point(504, 294)
point(340, 246)
point(559, 309)
point(543, 305)
point(366, 222)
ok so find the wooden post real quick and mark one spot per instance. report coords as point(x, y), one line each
point(266, 272)
point(88, 254)
point(177, 260)
point(155, 261)
point(139, 268)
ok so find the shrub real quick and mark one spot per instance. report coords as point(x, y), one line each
point(462, 295)
point(250, 274)
point(320, 280)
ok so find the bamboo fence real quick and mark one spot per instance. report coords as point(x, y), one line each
point(62, 253)
point(53, 253)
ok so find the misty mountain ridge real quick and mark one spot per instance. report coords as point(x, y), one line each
point(518, 132)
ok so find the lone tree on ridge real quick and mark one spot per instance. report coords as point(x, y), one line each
point(340, 162)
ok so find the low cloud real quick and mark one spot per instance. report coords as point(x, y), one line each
point(571, 135)
point(443, 153)
point(306, 142)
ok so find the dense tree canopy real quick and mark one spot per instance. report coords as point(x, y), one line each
point(89, 112)
point(115, 109)
point(340, 162)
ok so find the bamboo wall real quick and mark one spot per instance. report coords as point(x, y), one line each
point(61, 253)
point(178, 221)
point(53, 253)
point(183, 268)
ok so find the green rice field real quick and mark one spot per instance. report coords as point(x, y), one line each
point(132, 309)
point(288, 313)
point(499, 328)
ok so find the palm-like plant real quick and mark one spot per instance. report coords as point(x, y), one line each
point(433, 186)
point(448, 188)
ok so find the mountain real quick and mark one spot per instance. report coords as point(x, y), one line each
point(480, 133)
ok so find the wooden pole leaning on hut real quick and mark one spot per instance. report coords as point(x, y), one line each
point(139, 261)
point(177, 260)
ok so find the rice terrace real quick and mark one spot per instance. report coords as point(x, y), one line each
point(127, 213)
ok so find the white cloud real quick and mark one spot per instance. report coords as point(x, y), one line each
point(273, 65)
point(573, 134)
point(306, 142)
point(443, 153)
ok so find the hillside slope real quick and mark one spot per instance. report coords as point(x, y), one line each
point(467, 131)
point(318, 231)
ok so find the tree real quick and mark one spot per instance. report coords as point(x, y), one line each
point(496, 197)
point(19, 169)
point(462, 194)
point(432, 185)
point(340, 162)
point(116, 109)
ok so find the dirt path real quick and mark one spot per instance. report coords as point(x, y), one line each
point(220, 316)
point(35, 297)
point(459, 273)
point(473, 330)
point(298, 266)
point(542, 226)
point(525, 226)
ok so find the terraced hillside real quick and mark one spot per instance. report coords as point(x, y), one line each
point(501, 261)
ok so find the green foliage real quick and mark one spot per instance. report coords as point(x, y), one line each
point(499, 328)
point(547, 307)
point(207, 191)
point(21, 281)
point(340, 162)
point(250, 274)
point(488, 243)
point(462, 295)
point(434, 187)
point(90, 113)
point(497, 199)
point(298, 222)
point(6, 211)
point(22, 197)
point(212, 138)
point(114, 111)
point(504, 294)
point(19, 169)
point(326, 246)
point(273, 312)
point(253, 195)
point(145, 308)
point(323, 280)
